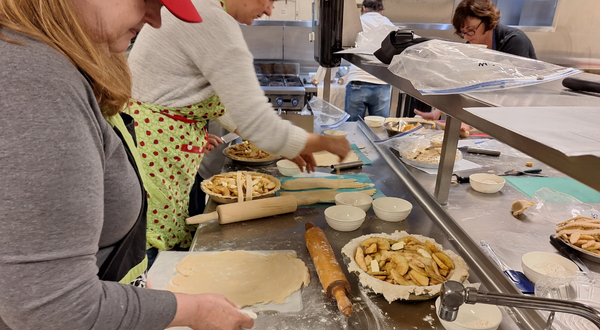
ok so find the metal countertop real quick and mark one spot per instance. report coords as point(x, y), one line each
point(474, 216)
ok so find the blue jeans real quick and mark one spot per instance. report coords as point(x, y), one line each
point(374, 97)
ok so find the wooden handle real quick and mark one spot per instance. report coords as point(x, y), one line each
point(330, 273)
point(443, 126)
point(201, 218)
point(344, 304)
point(259, 208)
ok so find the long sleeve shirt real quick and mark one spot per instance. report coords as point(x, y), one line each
point(68, 193)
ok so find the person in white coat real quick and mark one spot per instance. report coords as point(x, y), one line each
point(363, 91)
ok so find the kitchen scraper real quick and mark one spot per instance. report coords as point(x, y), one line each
point(229, 137)
point(518, 278)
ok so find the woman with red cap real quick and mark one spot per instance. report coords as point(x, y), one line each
point(73, 202)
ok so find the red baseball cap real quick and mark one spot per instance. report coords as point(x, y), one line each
point(183, 9)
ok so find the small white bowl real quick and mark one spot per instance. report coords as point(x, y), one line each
point(391, 208)
point(486, 183)
point(374, 121)
point(539, 264)
point(288, 168)
point(473, 317)
point(334, 132)
point(344, 217)
point(354, 198)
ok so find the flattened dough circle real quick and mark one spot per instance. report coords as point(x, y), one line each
point(245, 278)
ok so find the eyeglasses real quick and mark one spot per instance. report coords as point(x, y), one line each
point(469, 33)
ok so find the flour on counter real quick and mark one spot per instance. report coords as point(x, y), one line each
point(429, 319)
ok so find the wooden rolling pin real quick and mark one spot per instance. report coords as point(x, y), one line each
point(330, 273)
point(236, 212)
point(442, 124)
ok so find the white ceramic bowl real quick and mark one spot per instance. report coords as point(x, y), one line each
point(374, 121)
point(486, 183)
point(288, 168)
point(472, 317)
point(334, 132)
point(354, 198)
point(344, 217)
point(391, 208)
point(539, 264)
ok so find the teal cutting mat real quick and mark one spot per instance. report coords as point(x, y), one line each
point(529, 185)
point(361, 156)
point(362, 178)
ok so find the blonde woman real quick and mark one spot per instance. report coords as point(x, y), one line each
point(73, 205)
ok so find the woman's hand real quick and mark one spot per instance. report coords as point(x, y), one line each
point(213, 141)
point(435, 114)
point(337, 145)
point(209, 312)
point(305, 161)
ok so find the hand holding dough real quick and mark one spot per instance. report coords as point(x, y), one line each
point(518, 207)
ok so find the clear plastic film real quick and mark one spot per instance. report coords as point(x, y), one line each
point(327, 115)
point(420, 147)
point(555, 207)
point(445, 67)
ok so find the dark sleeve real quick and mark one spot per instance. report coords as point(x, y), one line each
point(517, 44)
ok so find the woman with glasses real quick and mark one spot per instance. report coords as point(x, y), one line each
point(478, 22)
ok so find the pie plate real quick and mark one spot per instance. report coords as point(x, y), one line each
point(392, 292)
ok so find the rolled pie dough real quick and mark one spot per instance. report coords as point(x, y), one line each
point(315, 183)
point(320, 196)
point(326, 158)
point(245, 278)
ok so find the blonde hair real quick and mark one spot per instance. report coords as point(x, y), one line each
point(56, 23)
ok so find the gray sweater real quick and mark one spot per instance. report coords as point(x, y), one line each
point(67, 189)
point(181, 64)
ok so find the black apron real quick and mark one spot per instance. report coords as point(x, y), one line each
point(130, 251)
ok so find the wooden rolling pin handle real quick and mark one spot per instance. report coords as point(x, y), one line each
point(201, 218)
point(330, 273)
point(343, 302)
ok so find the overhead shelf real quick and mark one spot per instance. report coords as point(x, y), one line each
point(551, 94)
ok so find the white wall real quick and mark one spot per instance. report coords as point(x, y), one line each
point(576, 38)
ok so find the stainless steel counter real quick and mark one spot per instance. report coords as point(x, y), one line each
point(468, 217)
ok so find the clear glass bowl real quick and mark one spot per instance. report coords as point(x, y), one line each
point(570, 286)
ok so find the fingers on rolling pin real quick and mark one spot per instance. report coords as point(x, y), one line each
point(330, 273)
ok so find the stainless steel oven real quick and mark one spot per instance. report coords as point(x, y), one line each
point(282, 85)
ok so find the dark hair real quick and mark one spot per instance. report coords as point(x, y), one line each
point(485, 10)
point(373, 5)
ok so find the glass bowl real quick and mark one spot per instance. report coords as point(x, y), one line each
point(574, 286)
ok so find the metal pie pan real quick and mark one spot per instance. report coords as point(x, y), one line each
point(249, 161)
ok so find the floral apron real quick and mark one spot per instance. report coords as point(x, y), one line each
point(172, 142)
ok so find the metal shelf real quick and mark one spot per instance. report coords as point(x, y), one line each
point(581, 168)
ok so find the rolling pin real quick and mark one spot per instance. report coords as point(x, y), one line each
point(236, 212)
point(330, 273)
point(442, 124)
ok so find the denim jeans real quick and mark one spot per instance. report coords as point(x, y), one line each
point(366, 96)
